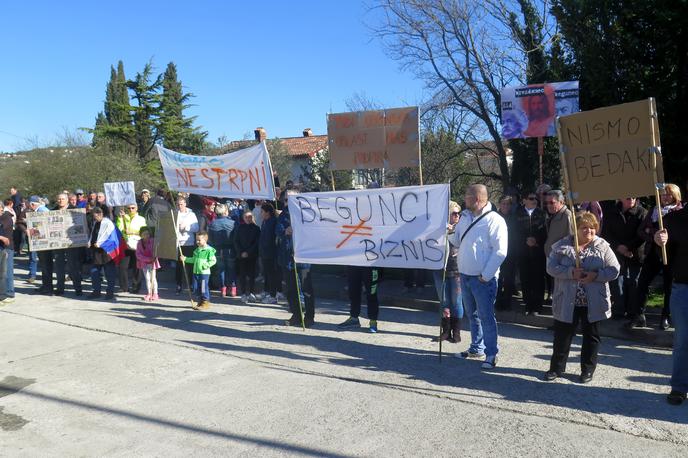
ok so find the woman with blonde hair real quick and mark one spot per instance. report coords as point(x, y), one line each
point(449, 292)
point(580, 294)
point(670, 198)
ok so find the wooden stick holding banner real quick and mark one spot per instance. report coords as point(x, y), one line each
point(541, 153)
point(654, 151)
point(179, 248)
point(332, 178)
point(298, 294)
point(569, 193)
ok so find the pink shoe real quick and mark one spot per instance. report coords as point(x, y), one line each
point(155, 297)
point(233, 291)
point(147, 297)
point(223, 291)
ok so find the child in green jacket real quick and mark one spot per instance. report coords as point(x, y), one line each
point(203, 259)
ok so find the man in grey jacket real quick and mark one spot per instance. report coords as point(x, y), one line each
point(558, 226)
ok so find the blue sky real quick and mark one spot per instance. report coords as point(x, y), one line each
point(278, 64)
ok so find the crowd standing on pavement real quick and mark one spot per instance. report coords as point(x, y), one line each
point(227, 245)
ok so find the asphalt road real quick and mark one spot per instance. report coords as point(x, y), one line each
point(83, 378)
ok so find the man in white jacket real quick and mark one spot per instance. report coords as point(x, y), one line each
point(482, 238)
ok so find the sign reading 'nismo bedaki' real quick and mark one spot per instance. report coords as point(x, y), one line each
point(608, 151)
point(390, 227)
point(242, 174)
point(374, 139)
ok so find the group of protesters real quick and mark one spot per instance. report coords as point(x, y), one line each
point(223, 242)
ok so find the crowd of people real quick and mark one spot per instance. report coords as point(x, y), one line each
point(223, 243)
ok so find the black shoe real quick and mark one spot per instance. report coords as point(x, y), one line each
point(638, 322)
point(78, 293)
point(109, 296)
point(179, 290)
point(676, 398)
point(308, 322)
point(59, 292)
point(293, 321)
point(94, 295)
point(586, 377)
point(551, 375)
point(664, 324)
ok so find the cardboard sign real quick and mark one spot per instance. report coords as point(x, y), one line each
point(374, 139)
point(165, 236)
point(243, 174)
point(608, 151)
point(120, 193)
point(390, 227)
point(56, 230)
point(530, 111)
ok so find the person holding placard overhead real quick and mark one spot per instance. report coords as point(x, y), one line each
point(482, 238)
point(671, 201)
point(581, 294)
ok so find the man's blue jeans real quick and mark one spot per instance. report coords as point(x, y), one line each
point(679, 316)
point(479, 300)
point(7, 269)
point(110, 276)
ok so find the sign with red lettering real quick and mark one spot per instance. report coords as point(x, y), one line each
point(608, 151)
point(374, 139)
point(242, 174)
point(390, 227)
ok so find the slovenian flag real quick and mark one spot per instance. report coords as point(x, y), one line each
point(114, 246)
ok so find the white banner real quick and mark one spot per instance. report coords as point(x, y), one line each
point(242, 174)
point(390, 227)
point(120, 193)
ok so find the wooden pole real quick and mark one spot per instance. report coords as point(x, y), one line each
point(654, 151)
point(298, 294)
point(569, 192)
point(541, 153)
point(332, 178)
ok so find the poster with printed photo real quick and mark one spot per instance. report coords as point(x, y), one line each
point(57, 229)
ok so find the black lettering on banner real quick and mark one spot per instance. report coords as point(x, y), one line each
point(613, 157)
point(409, 247)
point(347, 210)
point(432, 245)
point(401, 206)
point(320, 210)
point(369, 249)
point(383, 206)
point(611, 125)
point(627, 161)
point(304, 210)
point(642, 158)
point(633, 130)
point(572, 136)
point(427, 203)
point(581, 169)
point(594, 165)
point(599, 128)
point(391, 252)
point(370, 210)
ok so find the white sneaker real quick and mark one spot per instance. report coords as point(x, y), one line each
point(270, 300)
point(252, 298)
point(244, 298)
point(281, 297)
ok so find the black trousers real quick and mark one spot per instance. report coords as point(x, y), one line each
point(506, 284)
point(359, 278)
point(187, 251)
point(127, 269)
point(247, 275)
point(532, 273)
point(306, 288)
point(45, 259)
point(270, 276)
point(71, 260)
point(651, 268)
point(563, 334)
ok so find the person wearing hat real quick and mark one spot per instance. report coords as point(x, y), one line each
point(81, 200)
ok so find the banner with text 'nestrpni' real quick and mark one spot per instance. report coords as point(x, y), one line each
point(242, 174)
point(390, 227)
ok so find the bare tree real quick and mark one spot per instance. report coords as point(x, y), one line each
point(465, 55)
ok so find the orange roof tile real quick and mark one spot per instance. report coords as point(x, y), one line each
point(300, 146)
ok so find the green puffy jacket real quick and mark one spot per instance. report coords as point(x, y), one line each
point(203, 259)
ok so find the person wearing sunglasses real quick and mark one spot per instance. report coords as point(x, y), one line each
point(130, 223)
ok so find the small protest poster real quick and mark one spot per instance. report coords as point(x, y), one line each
point(242, 174)
point(608, 151)
point(57, 229)
point(165, 236)
point(389, 227)
point(530, 111)
point(120, 193)
point(374, 139)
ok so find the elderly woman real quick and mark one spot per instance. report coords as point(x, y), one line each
point(450, 301)
point(580, 294)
